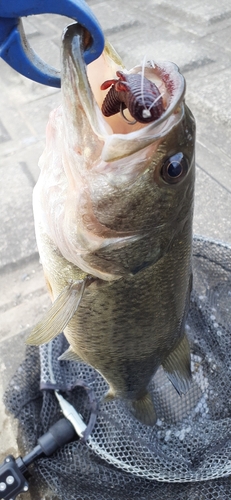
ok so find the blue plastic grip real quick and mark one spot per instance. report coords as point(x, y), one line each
point(15, 48)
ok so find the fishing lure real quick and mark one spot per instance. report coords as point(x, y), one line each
point(135, 92)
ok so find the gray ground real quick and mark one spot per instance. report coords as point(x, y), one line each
point(196, 36)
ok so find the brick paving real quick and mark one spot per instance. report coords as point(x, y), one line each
point(196, 36)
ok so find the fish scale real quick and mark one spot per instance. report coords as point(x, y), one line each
point(115, 241)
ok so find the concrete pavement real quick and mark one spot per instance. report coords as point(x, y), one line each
point(196, 36)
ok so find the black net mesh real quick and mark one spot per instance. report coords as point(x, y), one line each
point(186, 455)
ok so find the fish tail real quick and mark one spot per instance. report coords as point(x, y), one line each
point(59, 315)
point(144, 411)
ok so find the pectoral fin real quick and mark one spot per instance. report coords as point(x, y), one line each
point(70, 355)
point(177, 366)
point(59, 315)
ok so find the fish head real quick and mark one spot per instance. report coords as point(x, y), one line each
point(114, 195)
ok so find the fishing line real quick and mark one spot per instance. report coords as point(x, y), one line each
point(142, 80)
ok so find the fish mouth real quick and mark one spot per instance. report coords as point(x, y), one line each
point(82, 96)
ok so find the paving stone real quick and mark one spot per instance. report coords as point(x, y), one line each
point(208, 129)
point(211, 12)
point(17, 239)
point(50, 53)
point(18, 90)
point(24, 298)
point(38, 112)
point(195, 17)
point(215, 163)
point(167, 43)
point(31, 29)
point(4, 135)
point(111, 17)
point(14, 124)
point(196, 36)
point(213, 95)
point(212, 216)
point(222, 39)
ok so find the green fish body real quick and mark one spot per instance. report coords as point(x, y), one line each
point(113, 218)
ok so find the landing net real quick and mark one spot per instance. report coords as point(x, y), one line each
point(186, 455)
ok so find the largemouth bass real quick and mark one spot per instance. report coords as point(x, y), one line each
point(113, 211)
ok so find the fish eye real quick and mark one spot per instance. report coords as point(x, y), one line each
point(174, 168)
